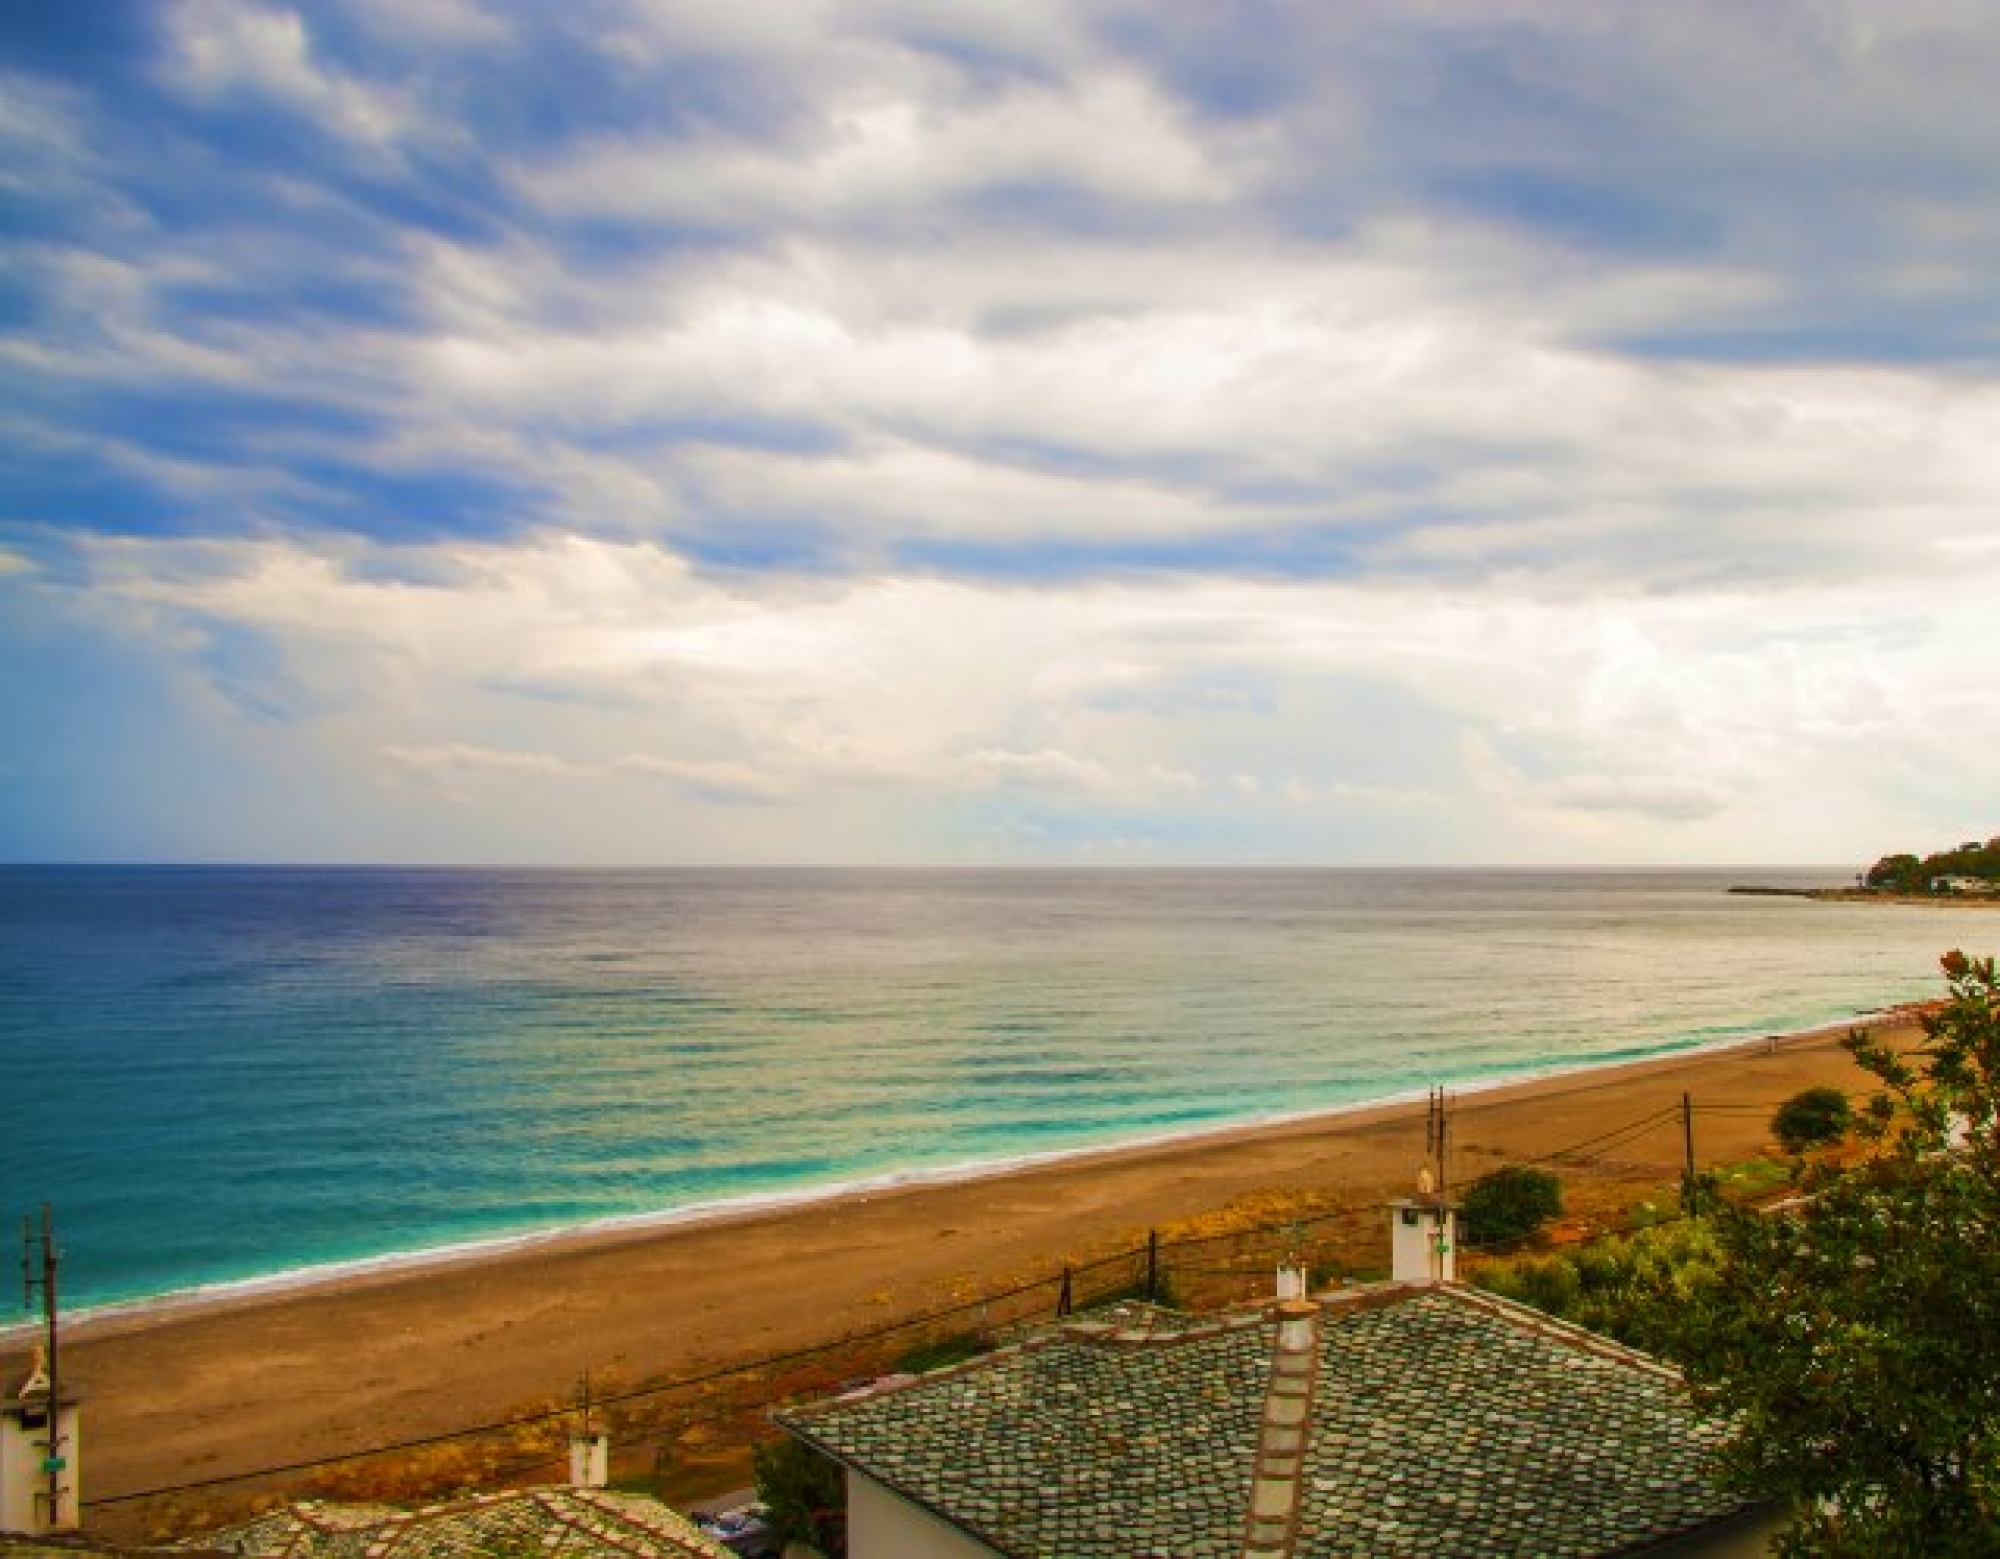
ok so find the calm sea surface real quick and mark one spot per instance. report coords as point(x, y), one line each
point(224, 1074)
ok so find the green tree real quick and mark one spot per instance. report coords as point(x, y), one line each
point(804, 1494)
point(1906, 874)
point(1851, 1341)
point(1812, 1118)
point(1511, 1204)
point(1897, 874)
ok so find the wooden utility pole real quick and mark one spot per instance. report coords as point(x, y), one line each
point(54, 1463)
point(1689, 1196)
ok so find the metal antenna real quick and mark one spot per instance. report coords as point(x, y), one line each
point(1437, 1136)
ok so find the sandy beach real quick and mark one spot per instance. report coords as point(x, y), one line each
point(207, 1391)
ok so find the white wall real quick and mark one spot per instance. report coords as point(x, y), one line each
point(23, 1485)
point(884, 1525)
point(1414, 1231)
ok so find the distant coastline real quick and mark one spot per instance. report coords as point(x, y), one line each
point(1873, 896)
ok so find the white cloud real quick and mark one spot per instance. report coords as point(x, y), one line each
point(903, 139)
point(617, 676)
point(228, 46)
point(454, 763)
point(1522, 433)
point(459, 758)
point(1049, 769)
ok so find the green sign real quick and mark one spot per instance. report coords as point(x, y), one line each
point(54, 1463)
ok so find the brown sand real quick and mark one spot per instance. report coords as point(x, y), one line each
point(216, 1389)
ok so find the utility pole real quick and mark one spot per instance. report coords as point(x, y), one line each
point(43, 1242)
point(1688, 1193)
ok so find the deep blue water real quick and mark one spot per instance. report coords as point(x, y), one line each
point(219, 1074)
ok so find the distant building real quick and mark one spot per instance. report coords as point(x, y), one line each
point(553, 1523)
point(1409, 1418)
point(1975, 885)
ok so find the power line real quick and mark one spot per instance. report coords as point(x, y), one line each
point(1617, 1136)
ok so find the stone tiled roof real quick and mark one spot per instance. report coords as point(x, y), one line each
point(81, 1546)
point(1391, 1421)
point(553, 1523)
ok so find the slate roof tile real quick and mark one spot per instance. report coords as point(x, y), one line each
point(556, 1523)
point(1424, 1422)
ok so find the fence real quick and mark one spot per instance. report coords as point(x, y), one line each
point(652, 1422)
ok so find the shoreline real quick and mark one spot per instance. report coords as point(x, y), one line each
point(210, 1390)
point(1870, 896)
point(228, 1294)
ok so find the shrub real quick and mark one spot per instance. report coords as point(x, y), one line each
point(1642, 1289)
point(804, 1494)
point(1509, 1205)
point(1812, 1119)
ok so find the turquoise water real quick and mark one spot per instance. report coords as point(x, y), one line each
point(225, 1074)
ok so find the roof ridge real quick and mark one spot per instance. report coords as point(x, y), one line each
point(1271, 1524)
point(1540, 1322)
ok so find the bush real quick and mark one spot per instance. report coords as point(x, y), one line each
point(1509, 1205)
point(1642, 1289)
point(1812, 1119)
point(803, 1493)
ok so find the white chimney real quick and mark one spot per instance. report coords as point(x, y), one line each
point(29, 1462)
point(590, 1460)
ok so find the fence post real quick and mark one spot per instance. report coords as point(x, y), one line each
point(1066, 1299)
point(1152, 1266)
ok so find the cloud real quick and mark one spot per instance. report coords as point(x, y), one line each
point(617, 684)
point(728, 784)
point(1048, 769)
point(886, 154)
point(1665, 801)
point(453, 764)
point(225, 47)
point(1264, 430)
point(458, 758)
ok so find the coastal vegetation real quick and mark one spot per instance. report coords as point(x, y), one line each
point(1847, 1336)
point(1909, 874)
point(804, 1495)
point(1510, 1205)
point(1636, 1288)
point(1851, 1338)
point(1813, 1118)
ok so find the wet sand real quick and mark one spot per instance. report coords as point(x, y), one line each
point(204, 1391)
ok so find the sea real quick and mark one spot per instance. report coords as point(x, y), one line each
point(226, 1077)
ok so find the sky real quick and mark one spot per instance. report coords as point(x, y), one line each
point(1067, 431)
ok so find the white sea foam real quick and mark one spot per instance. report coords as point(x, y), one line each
point(346, 1076)
point(401, 1263)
